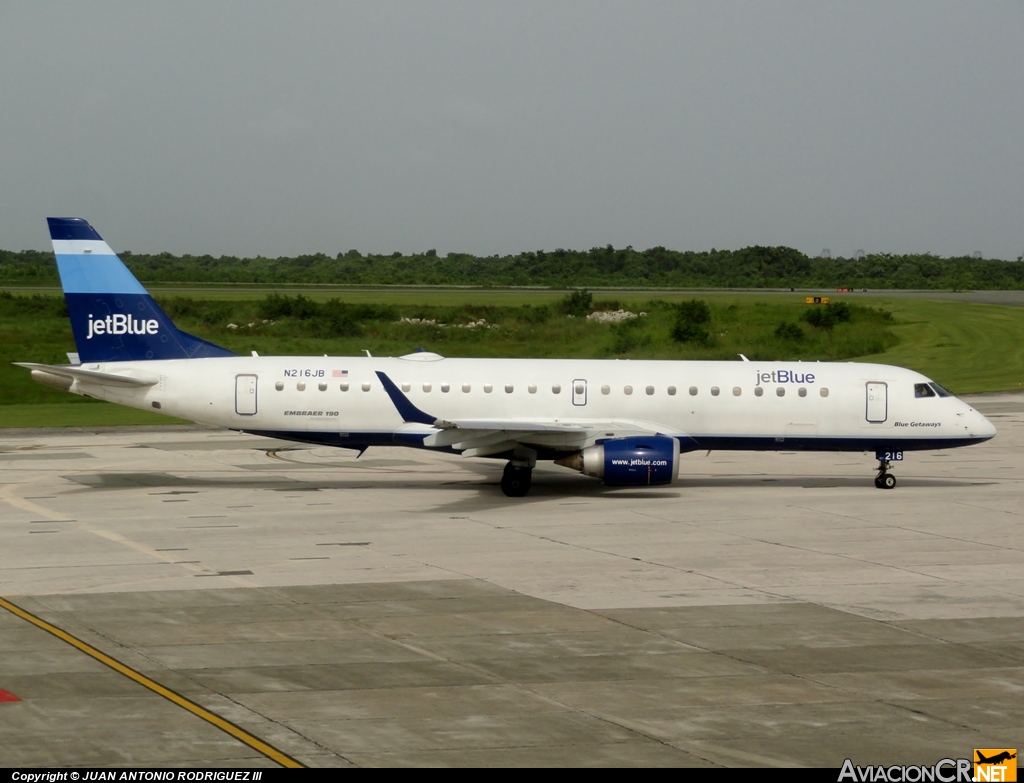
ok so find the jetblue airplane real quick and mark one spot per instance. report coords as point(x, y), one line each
point(625, 422)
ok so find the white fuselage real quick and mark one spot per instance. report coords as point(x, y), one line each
point(713, 405)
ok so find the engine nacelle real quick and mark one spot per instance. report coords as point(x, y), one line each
point(639, 461)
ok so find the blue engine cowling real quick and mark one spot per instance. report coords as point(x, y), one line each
point(638, 461)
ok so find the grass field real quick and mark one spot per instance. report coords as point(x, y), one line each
point(965, 347)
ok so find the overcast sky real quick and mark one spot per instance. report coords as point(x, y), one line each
point(495, 127)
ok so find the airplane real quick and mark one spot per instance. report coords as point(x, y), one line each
point(624, 422)
point(996, 759)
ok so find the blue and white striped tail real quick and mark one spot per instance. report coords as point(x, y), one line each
point(112, 316)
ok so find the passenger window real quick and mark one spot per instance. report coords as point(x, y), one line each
point(649, 390)
point(578, 389)
point(693, 391)
point(301, 386)
point(714, 391)
point(322, 386)
point(758, 391)
point(532, 389)
point(923, 390)
point(627, 390)
point(465, 388)
point(736, 391)
point(802, 391)
point(366, 387)
point(606, 390)
point(445, 388)
point(406, 387)
point(509, 388)
point(780, 391)
point(426, 387)
point(344, 386)
point(488, 388)
point(556, 389)
point(671, 391)
point(279, 385)
point(823, 392)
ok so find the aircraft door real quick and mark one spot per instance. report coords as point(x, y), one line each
point(245, 395)
point(579, 392)
point(877, 402)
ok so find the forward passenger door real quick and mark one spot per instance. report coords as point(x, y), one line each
point(877, 404)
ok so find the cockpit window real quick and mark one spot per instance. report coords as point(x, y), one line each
point(939, 390)
point(923, 390)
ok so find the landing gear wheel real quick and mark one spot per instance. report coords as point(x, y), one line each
point(884, 479)
point(515, 482)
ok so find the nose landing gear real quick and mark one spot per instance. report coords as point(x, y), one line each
point(885, 479)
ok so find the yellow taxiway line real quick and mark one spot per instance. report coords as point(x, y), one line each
point(201, 712)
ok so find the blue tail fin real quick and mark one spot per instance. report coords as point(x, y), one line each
point(113, 317)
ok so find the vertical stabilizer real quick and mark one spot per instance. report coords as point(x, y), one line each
point(112, 316)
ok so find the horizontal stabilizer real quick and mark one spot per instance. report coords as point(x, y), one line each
point(91, 376)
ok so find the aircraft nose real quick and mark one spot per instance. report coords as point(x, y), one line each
point(986, 428)
point(979, 426)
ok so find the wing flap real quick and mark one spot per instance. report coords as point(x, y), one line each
point(494, 448)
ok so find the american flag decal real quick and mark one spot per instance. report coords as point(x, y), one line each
point(339, 373)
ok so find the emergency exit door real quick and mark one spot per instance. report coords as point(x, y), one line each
point(579, 392)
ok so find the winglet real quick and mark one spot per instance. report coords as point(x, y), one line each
point(406, 409)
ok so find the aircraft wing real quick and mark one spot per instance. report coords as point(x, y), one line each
point(482, 437)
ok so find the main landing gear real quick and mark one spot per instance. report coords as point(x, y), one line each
point(885, 479)
point(515, 481)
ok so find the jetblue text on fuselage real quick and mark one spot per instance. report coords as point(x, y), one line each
point(121, 323)
point(784, 376)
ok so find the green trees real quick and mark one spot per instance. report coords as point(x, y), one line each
point(332, 318)
point(691, 322)
point(577, 304)
point(751, 267)
point(789, 332)
point(828, 316)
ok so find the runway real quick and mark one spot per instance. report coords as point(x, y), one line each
point(397, 609)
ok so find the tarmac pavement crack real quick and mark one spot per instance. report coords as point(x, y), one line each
point(867, 561)
point(10, 494)
point(616, 555)
point(928, 716)
point(113, 660)
point(988, 510)
point(290, 729)
point(498, 679)
point(917, 531)
point(115, 645)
